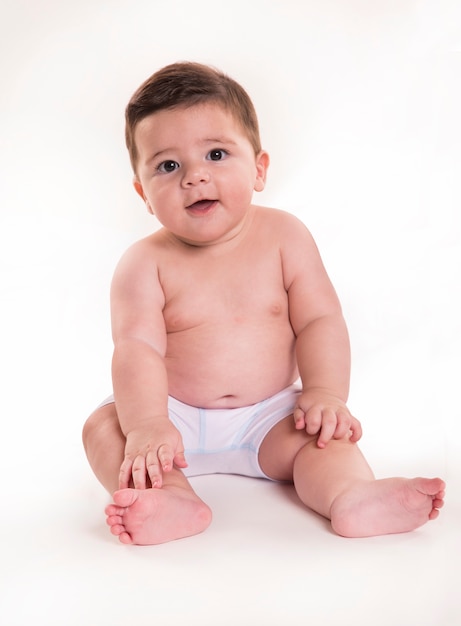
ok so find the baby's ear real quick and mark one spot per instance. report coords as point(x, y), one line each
point(139, 190)
point(262, 163)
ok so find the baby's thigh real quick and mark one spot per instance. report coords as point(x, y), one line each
point(279, 448)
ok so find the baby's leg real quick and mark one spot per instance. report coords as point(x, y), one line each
point(338, 483)
point(140, 516)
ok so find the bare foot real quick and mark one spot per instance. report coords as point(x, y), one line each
point(152, 516)
point(392, 505)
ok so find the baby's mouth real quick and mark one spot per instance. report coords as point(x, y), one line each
point(201, 206)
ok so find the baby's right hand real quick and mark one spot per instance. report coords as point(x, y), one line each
point(150, 451)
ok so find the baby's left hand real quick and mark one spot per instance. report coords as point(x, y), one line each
point(320, 412)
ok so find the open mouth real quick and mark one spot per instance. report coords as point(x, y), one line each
point(202, 206)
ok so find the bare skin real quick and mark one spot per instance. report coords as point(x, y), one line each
point(356, 503)
point(152, 516)
point(337, 482)
point(140, 516)
point(388, 506)
point(223, 307)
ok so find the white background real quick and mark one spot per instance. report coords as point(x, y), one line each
point(359, 109)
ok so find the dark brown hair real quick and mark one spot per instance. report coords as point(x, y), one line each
point(186, 84)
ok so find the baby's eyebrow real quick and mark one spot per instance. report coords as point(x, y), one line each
point(160, 152)
point(153, 157)
point(225, 140)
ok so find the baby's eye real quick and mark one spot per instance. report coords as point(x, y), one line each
point(167, 166)
point(217, 154)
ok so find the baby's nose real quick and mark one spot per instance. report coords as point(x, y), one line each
point(195, 176)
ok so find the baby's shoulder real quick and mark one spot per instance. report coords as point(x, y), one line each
point(141, 257)
point(281, 223)
point(146, 249)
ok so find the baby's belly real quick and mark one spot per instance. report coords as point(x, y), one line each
point(232, 368)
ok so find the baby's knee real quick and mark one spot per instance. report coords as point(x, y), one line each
point(99, 423)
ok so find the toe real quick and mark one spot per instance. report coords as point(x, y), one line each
point(125, 538)
point(125, 497)
point(112, 509)
point(117, 529)
point(433, 514)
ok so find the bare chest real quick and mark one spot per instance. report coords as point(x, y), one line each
point(227, 292)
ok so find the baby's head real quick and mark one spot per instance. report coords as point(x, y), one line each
point(187, 84)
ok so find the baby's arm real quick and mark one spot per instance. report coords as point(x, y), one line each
point(139, 376)
point(322, 342)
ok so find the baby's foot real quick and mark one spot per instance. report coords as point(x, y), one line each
point(151, 516)
point(392, 505)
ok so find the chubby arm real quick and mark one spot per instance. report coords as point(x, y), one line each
point(322, 341)
point(139, 375)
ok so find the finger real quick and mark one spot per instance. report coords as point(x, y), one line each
point(329, 423)
point(125, 473)
point(356, 428)
point(138, 471)
point(313, 419)
point(343, 424)
point(165, 457)
point(299, 418)
point(180, 460)
point(153, 469)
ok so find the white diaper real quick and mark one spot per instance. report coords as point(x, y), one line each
point(227, 441)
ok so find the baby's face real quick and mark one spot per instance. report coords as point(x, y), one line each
point(197, 172)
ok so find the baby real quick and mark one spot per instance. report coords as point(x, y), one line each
point(215, 317)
